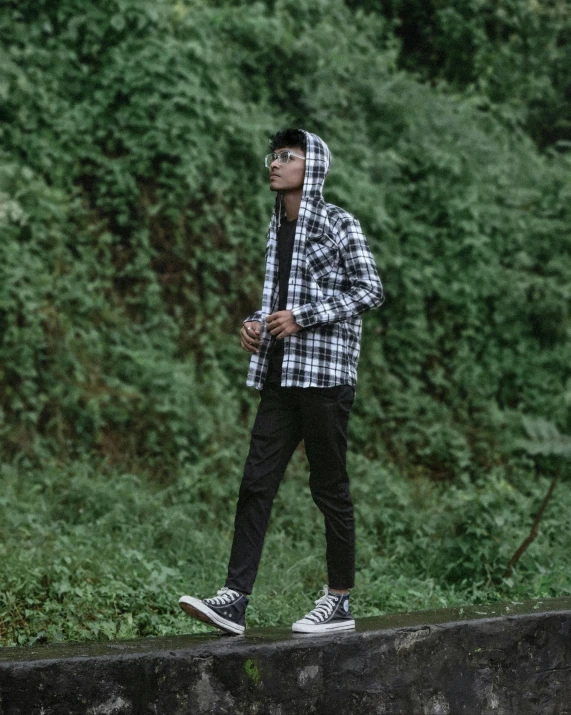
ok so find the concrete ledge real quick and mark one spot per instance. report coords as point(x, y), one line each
point(505, 659)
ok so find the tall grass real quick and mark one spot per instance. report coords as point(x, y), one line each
point(88, 552)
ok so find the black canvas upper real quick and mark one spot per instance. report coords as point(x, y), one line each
point(286, 236)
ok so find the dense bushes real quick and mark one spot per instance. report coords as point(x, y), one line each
point(122, 231)
point(134, 214)
point(133, 210)
point(513, 51)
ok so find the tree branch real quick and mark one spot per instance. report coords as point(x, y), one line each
point(534, 527)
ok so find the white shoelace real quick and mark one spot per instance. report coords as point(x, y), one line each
point(324, 607)
point(223, 597)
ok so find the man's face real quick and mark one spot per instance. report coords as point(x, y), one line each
point(287, 177)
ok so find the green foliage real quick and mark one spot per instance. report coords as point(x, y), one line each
point(515, 52)
point(91, 553)
point(81, 368)
point(544, 438)
point(133, 210)
point(134, 214)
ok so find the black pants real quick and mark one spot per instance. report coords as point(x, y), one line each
point(286, 415)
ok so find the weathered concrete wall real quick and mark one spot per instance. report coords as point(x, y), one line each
point(507, 659)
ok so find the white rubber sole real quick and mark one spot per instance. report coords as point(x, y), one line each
point(197, 609)
point(323, 627)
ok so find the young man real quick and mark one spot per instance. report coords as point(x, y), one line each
point(305, 341)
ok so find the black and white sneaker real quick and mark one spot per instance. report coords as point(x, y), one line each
point(226, 610)
point(331, 613)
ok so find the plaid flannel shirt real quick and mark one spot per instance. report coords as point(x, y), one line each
point(333, 280)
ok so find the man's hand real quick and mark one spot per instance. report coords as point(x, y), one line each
point(282, 323)
point(250, 336)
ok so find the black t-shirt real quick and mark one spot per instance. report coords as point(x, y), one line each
point(286, 236)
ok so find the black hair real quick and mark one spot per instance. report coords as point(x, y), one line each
point(294, 138)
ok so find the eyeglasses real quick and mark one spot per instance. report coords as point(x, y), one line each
point(283, 157)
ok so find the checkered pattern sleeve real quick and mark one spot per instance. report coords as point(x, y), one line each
point(255, 316)
point(365, 292)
